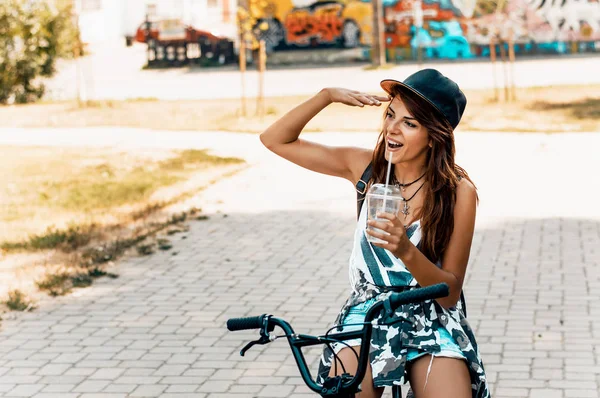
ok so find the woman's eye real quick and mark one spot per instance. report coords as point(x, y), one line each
point(388, 114)
point(409, 124)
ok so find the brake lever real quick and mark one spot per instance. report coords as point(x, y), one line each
point(265, 337)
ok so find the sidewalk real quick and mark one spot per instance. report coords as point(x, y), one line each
point(278, 241)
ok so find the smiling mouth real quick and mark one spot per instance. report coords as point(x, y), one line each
point(394, 145)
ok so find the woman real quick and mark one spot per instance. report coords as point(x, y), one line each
point(425, 244)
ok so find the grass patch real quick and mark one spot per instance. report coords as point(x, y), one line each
point(588, 108)
point(55, 284)
point(164, 244)
point(97, 273)
point(102, 187)
point(66, 239)
point(145, 249)
point(51, 186)
point(108, 251)
point(18, 301)
point(63, 282)
point(381, 67)
point(108, 185)
point(81, 280)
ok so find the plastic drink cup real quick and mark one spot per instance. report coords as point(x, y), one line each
point(382, 199)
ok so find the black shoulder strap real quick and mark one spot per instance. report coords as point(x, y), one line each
point(361, 188)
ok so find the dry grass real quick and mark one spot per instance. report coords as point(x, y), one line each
point(548, 109)
point(55, 196)
point(69, 213)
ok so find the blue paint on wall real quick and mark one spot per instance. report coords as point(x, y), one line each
point(451, 42)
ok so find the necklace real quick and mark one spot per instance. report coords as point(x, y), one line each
point(406, 206)
point(403, 186)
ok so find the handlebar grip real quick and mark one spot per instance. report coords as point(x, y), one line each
point(252, 322)
point(421, 294)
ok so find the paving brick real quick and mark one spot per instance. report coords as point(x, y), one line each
point(120, 388)
point(53, 369)
point(214, 386)
point(20, 371)
point(91, 386)
point(275, 391)
point(56, 388)
point(182, 388)
point(546, 393)
point(171, 370)
point(18, 379)
point(581, 393)
point(106, 374)
point(24, 390)
point(148, 391)
point(511, 392)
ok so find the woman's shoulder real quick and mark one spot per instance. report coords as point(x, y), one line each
point(466, 191)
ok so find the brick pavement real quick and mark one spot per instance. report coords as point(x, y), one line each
point(278, 241)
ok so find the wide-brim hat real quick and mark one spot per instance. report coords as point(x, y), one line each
point(438, 90)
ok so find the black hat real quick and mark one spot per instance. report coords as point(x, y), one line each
point(435, 88)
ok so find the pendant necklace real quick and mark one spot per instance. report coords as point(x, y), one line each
point(406, 206)
point(403, 186)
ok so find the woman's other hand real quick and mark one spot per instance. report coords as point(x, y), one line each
point(353, 97)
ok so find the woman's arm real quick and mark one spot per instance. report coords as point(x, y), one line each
point(456, 255)
point(282, 136)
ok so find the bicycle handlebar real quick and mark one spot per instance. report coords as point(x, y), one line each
point(252, 322)
point(342, 386)
point(421, 294)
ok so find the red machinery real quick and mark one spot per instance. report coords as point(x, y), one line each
point(171, 42)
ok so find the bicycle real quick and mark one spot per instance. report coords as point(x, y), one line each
point(345, 385)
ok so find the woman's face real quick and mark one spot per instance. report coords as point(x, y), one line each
point(405, 137)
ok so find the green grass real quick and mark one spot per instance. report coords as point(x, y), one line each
point(73, 183)
point(55, 284)
point(587, 108)
point(102, 187)
point(63, 185)
point(63, 282)
point(18, 301)
point(66, 239)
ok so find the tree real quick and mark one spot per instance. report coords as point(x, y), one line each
point(253, 20)
point(33, 34)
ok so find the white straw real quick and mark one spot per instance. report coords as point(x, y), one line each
point(387, 182)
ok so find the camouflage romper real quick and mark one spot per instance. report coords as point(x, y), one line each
point(373, 272)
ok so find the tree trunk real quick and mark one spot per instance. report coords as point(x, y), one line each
point(378, 46)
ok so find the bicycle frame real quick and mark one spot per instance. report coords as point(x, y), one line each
point(345, 385)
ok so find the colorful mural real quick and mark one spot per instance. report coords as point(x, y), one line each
point(436, 28)
point(300, 24)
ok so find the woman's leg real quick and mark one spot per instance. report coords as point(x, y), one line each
point(442, 378)
point(351, 364)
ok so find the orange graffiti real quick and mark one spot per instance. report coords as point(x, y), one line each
point(400, 35)
point(431, 11)
point(325, 25)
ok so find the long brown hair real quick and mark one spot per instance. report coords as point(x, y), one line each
point(442, 174)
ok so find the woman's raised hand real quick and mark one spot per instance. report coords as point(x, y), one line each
point(353, 97)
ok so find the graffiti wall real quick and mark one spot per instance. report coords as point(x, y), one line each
point(287, 24)
point(434, 28)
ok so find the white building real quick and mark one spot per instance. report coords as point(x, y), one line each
point(110, 20)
